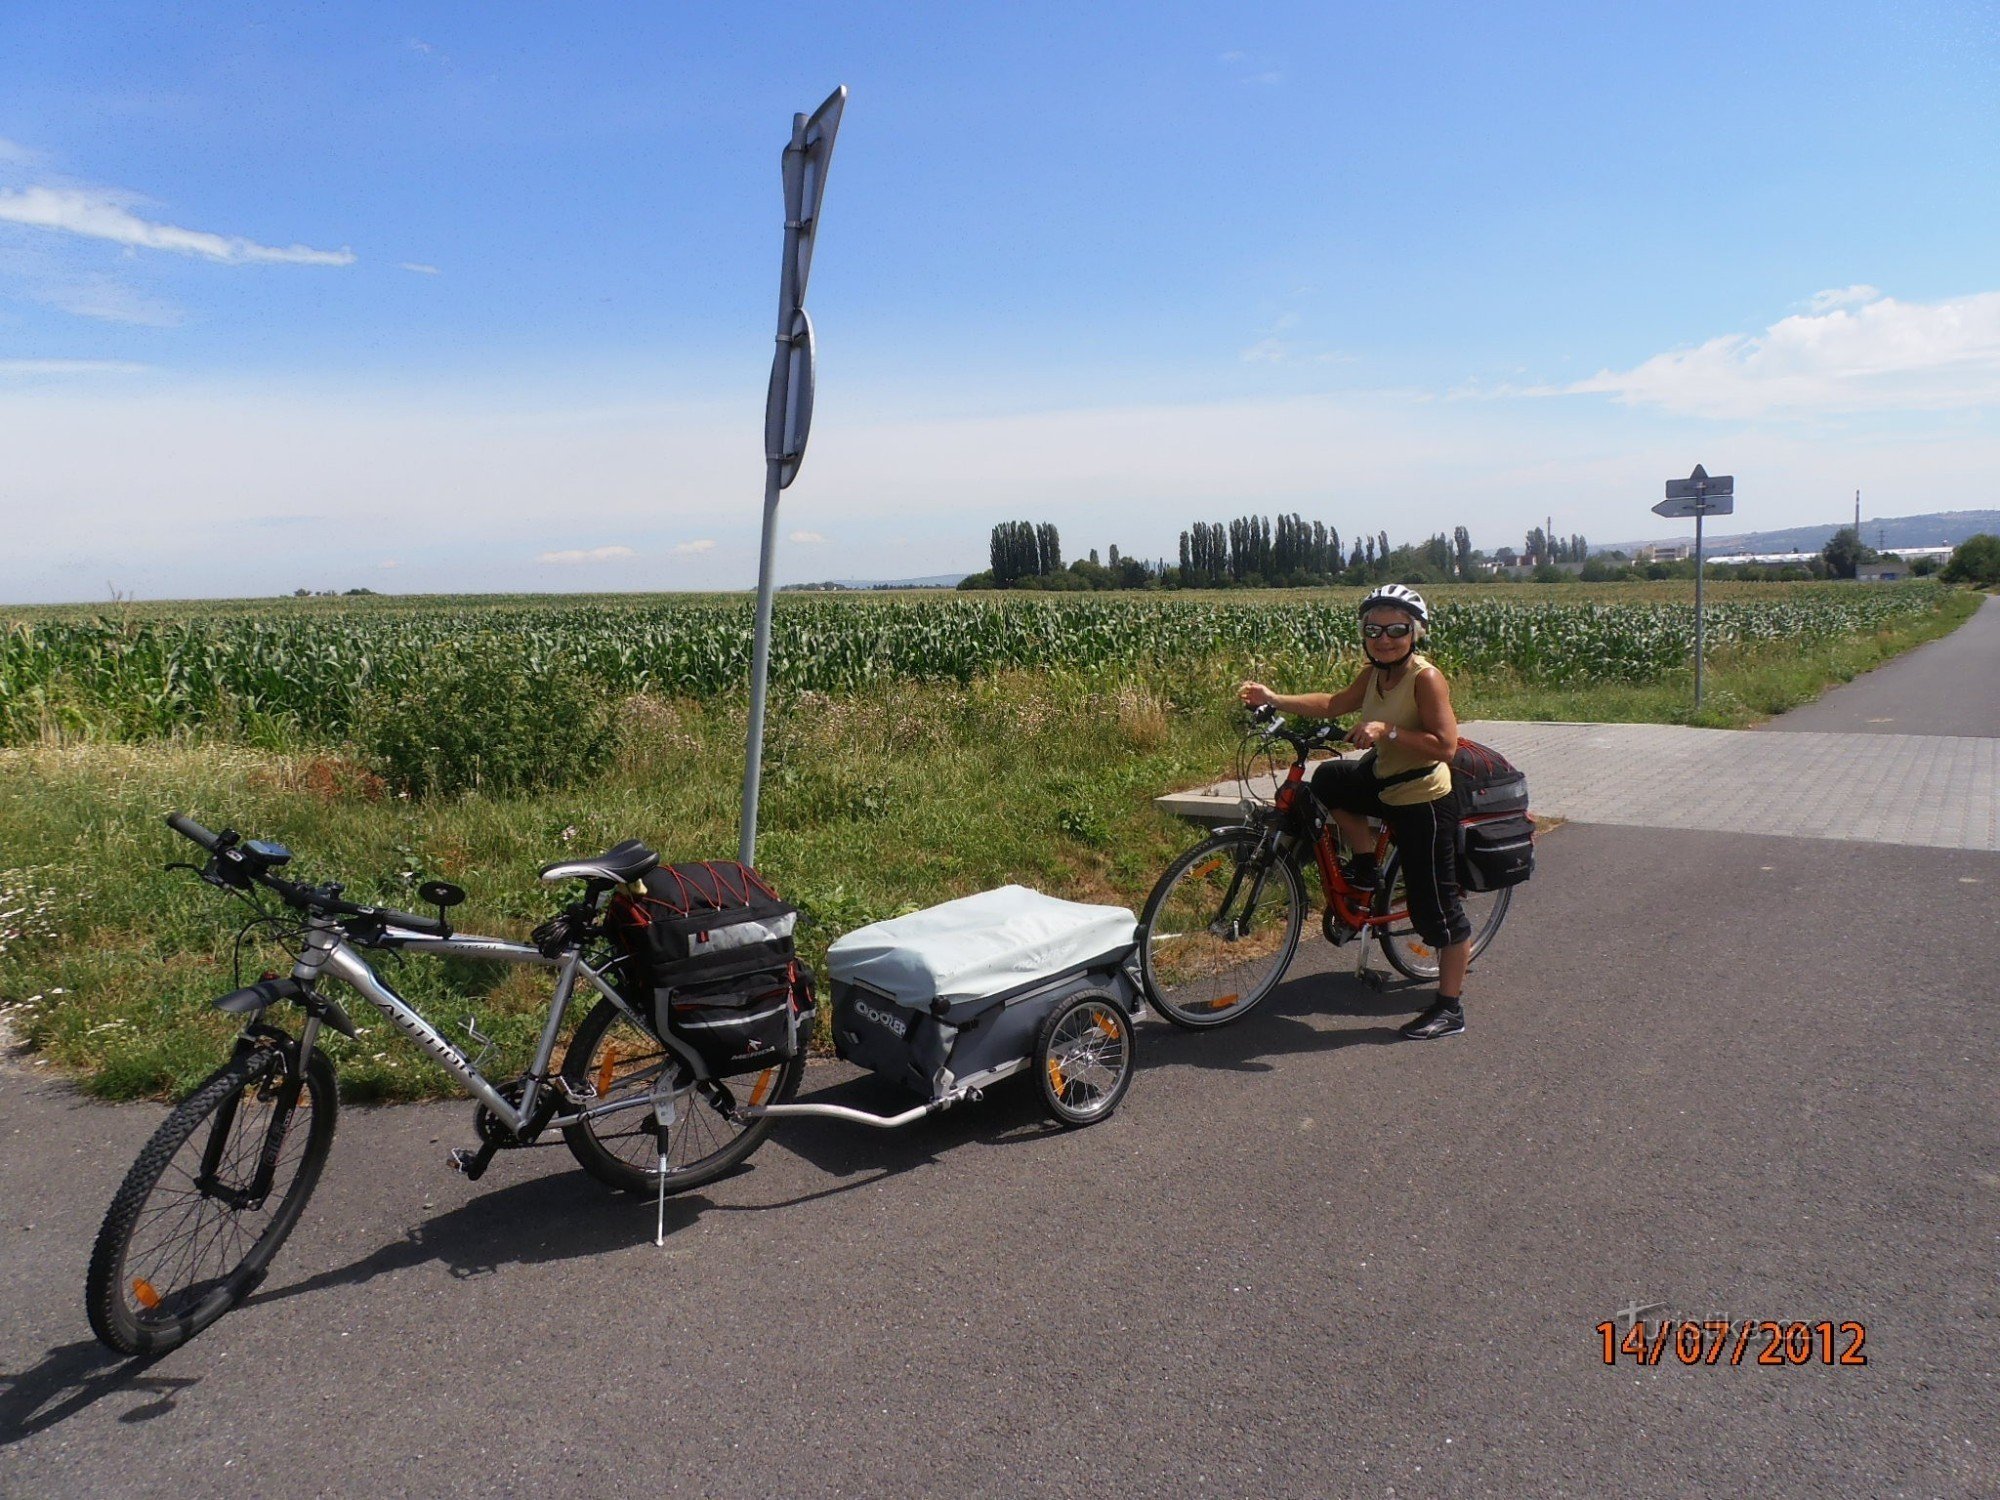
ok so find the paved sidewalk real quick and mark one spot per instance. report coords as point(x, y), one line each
point(1931, 791)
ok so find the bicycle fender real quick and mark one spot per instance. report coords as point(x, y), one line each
point(253, 998)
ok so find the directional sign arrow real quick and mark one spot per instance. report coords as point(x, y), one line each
point(1699, 485)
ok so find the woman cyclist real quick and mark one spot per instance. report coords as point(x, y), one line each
point(1407, 720)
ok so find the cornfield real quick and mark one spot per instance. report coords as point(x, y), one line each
point(280, 679)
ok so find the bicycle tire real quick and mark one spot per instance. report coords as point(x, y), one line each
point(1408, 953)
point(1083, 1059)
point(174, 1253)
point(1189, 968)
point(621, 1060)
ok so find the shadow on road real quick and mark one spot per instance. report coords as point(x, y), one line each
point(74, 1378)
point(1283, 1026)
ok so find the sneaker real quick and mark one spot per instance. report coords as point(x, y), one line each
point(1359, 871)
point(1441, 1019)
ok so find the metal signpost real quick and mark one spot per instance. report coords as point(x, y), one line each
point(1698, 495)
point(789, 403)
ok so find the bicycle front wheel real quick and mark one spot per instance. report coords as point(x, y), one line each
point(1406, 951)
point(619, 1063)
point(1219, 931)
point(209, 1201)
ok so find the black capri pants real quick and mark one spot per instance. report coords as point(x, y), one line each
point(1427, 835)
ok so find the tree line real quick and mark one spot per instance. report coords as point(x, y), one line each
point(1288, 551)
point(1256, 552)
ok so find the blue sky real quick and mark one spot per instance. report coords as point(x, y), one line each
point(480, 297)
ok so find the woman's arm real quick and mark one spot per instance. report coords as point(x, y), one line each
point(1312, 705)
point(1440, 732)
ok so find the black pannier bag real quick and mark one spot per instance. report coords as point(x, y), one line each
point(709, 951)
point(1495, 852)
point(1496, 837)
point(743, 1024)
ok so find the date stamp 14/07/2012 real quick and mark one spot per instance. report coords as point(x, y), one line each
point(1732, 1341)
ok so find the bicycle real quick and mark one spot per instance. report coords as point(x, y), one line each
point(1223, 922)
point(220, 1185)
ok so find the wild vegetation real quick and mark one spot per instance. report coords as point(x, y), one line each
point(916, 750)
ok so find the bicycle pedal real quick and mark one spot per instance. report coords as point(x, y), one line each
point(469, 1163)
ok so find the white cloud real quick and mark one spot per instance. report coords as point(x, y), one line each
point(389, 562)
point(687, 548)
point(418, 266)
point(591, 555)
point(71, 367)
point(14, 154)
point(104, 298)
point(104, 214)
point(1846, 296)
point(806, 536)
point(1882, 356)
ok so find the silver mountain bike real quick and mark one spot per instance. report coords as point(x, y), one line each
point(222, 1183)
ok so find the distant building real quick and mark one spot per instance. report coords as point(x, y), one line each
point(1768, 559)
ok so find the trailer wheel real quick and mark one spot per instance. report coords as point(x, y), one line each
point(1083, 1058)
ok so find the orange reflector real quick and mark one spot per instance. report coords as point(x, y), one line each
point(1106, 1023)
point(605, 1069)
point(1056, 1075)
point(143, 1293)
point(1222, 1003)
point(1206, 868)
point(761, 1090)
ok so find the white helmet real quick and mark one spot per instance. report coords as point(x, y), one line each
point(1396, 596)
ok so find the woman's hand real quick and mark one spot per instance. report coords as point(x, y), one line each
point(1255, 695)
point(1365, 735)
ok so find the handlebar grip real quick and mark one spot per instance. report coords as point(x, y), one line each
point(187, 828)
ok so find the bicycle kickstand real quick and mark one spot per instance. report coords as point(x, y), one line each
point(1361, 970)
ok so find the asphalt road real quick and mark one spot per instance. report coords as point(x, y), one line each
point(1733, 1077)
point(1948, 686)
point(1707, 1076)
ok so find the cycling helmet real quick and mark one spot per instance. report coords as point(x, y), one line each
point(1396, 596)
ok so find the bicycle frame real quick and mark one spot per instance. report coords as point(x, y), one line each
point(329, 953)
point(1348, 903)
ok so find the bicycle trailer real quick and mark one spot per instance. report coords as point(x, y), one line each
point(952, 999)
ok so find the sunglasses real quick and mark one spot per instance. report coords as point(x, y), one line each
point(1394, 632)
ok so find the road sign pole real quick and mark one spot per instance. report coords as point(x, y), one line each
point(1697, 495)
point(1698, 653)
point(787, 407)
point(760, 662)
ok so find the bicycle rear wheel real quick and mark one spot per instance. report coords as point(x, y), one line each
point(622, 1062)
point(1406, 951)
point(210, 1199)
point(1219, 931)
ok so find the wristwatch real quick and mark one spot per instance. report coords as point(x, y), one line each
point(1392, 732)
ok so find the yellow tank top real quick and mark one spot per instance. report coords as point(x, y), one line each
point(1398, 706)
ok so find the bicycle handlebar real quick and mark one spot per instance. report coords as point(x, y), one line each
point(243, 870)
point(187, 828)
point(1271, 725)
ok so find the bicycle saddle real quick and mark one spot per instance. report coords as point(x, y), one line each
point(618, 864)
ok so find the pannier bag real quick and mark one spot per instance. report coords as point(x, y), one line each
point(708, 948)
point(742, 1024)
point(1495, 852)
point(1496, 837)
